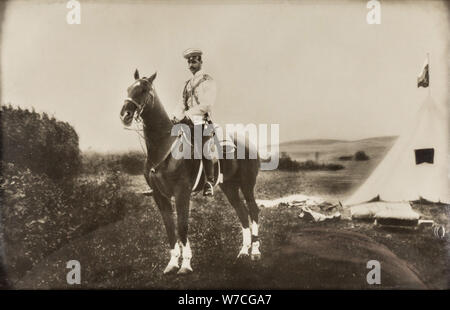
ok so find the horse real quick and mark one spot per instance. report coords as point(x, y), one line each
point(169, 176)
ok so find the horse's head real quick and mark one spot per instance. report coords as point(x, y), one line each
point(140, 94)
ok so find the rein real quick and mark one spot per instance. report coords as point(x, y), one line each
point(139, 121)
point(140, 136)
point(139, 109)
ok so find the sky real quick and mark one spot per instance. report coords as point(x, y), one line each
point(316, 68)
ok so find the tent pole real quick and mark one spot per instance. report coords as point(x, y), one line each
point(429, 75)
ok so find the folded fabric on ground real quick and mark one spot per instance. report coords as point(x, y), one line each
point(312, 208)
point(311, 215)
point(382, 211)
point(292, 200)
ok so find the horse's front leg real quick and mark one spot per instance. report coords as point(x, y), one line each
point(182, 200)
point(165, 207)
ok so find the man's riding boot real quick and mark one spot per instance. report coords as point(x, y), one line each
point(208, 188)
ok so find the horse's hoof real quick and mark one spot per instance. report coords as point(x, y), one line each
point(170, 269)
point(184, 271)
point(255, 257)
point(243, 256)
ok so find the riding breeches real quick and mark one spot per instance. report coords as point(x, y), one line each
point(198, 149)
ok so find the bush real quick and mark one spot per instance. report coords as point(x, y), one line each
point(131, 163)
point(288, 164)
point(333, 167)
point(39, 215)
point(30, 203)
point(39, 143)
point(95, 163)
point(345, 158)
point(361, 155)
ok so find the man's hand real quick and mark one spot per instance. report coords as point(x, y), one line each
point(187, 114)
point(186, 120)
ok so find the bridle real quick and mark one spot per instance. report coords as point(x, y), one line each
point(139, 109)
point(140, 106)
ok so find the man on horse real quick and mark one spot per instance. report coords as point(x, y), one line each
point(172, 177)
point(199, 94)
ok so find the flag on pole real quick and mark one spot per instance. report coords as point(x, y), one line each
point(423, 80)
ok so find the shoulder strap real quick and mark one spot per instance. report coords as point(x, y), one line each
point(185, 96)
point(204, 78)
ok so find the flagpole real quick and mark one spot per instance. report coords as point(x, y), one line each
point(429, 75)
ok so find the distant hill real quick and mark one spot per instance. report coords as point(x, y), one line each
point(330, 150)
point(377, 139)
point(312, 142)
point(331, 141)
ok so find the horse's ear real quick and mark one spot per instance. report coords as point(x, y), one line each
point(136, 74)
point(150, 79)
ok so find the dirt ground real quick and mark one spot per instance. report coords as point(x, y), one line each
point(296, 254)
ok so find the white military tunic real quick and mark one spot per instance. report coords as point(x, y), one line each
point(200, 101)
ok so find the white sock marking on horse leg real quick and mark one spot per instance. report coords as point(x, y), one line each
point(246, 241)
point(246, 237)
point(255, 248)
point(255, 244)
point(187, 255)
point(174, 255)
point(254, 228)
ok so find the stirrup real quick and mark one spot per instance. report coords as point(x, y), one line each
point(147, 193)
point(208, 189)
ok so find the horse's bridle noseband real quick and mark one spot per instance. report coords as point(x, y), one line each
point(140, 107)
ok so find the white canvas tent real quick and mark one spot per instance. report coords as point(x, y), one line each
point(416, 166)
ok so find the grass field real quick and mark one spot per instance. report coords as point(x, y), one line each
point(132, 251)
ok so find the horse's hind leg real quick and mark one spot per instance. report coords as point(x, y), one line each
point(247, 190)
point(182, 200)
point(248, 175)
point(231, 190)
point(165, 207)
